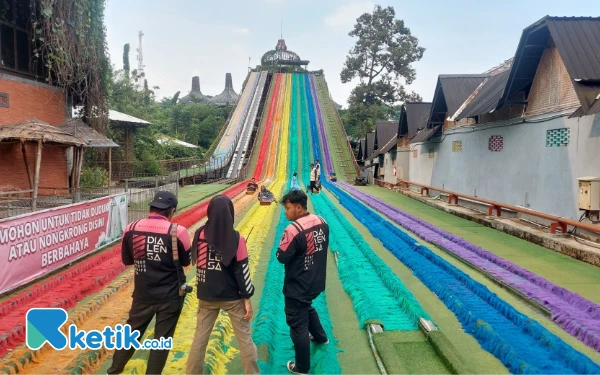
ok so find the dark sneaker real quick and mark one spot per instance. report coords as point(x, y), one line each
point(291, 366)
point(312, 339)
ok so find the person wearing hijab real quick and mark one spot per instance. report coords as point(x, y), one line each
point(223, 283)
point(265, 195)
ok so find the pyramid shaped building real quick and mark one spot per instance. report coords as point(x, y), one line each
point(195, 96)
point(228, 96)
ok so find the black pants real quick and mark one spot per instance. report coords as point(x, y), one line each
point(302, 319)
point(312, 186)
point(140, 315)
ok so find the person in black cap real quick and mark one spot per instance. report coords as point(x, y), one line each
point(158, 250)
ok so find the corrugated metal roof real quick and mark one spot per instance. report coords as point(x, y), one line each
point(578, 41)
point(450, 93)
point(384, 131)
point(388, 146)
point(79, 129)
point(417, 115)
point(370, 144)
point(458, 88)
point(361, 149)
point(594, 109)
point(122, 117)
point(487, 98)
point(35, 130)
point(165, 140)
point(425, 134)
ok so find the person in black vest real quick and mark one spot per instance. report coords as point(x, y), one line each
point(224, 283)
point(303, 251)
point(159, 280)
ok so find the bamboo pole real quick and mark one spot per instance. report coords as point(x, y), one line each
point(29, 176)
point(109, 165)
point(36, 183)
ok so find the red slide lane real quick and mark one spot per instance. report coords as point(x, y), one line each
point(75, 283)
point(264, 146)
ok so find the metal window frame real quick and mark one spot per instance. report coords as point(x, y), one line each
point(30, 70)
point(5, 96)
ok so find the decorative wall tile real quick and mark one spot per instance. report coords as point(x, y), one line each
point(456, 146)
point(496, 143)
point(558, 137)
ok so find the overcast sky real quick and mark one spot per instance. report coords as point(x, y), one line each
point(184, 38)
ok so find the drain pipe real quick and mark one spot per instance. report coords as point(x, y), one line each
point(372, 329)
point(375, 329)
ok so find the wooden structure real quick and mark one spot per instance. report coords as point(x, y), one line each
point(92, 138)
point(40, 133)
point(128, 124)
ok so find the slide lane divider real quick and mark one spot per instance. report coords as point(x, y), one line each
point(520, 343)
point(578, 316)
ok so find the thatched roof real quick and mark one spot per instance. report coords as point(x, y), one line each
point(91, 137)
point(34, 130)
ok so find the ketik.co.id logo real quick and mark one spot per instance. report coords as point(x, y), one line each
point(44, 326)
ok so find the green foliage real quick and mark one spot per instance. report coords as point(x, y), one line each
point(70, 38)
point(94, 177)
point(194, 123)
point(382, 57)
point(382, 61)
point(126, 58)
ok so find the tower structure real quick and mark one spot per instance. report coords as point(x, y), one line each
point(140, 58)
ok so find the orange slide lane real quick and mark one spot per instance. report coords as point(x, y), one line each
point(268, 126)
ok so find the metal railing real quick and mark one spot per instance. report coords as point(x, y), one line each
point(140, 191)
point(453, 197)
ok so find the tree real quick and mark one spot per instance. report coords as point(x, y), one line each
point(381, 58)
point(382, 61)
point(126, 58)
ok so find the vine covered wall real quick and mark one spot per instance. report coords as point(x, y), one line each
point(70, 37)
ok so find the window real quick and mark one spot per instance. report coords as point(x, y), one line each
point(496, 143)
point(15, 46)
point(456, 146)
point(558, 137)
point(3, 99)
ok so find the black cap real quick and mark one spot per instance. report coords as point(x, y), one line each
point(163, 200)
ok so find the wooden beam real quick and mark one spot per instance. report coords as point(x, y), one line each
point(73, 167)
point(109, 165)
point(36, 183)
point(81, 150)
point(29, 176)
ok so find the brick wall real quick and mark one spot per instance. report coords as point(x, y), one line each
point(552, 90)
point(53, 170)
point(28, 100)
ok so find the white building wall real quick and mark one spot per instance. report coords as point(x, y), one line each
point(524, 166)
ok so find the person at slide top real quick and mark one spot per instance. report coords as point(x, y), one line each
point(303, 251)
point(159, 280)
point(224, 283)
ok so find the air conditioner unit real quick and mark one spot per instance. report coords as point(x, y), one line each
point(589, 193)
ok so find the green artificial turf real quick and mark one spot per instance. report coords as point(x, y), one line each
point(475, 357)
point(408, 353)
point(193, 194)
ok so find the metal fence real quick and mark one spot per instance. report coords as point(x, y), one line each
point(139, 190)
